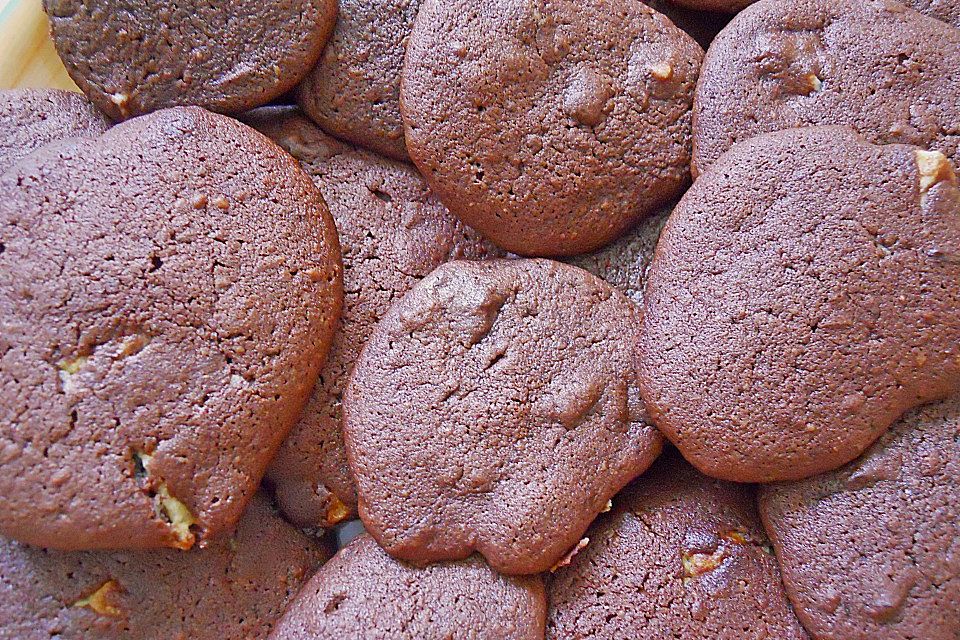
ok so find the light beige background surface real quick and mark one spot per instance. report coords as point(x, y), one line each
point(27, 56)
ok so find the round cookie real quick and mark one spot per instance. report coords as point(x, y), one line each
point(354, 91)
point(872, 551)
point(680, 556)
point(495, 409)
point(624, 262)
point(792, 63)
point(804, 294)
point(131, 57)
point(364, 593)
point(552, 127)
point(944, 10)
point(234, 590)
point(146, 386)
point(31, 118)
point(393, 232)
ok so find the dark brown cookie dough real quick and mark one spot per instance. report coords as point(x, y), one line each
point(680, 556)
point(364, 593)
point(393, 232)
point(945, 10)
point(495, 409)
point(354, 91)
point(872, 551)
point(235, 589)
point(134, 56)
point(792, 63)
point(804, 294)
point(552, 127)
point(168, 292)
point(31, 118)
point(624, 262)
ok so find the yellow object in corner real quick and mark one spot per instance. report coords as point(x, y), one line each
point(27, 55)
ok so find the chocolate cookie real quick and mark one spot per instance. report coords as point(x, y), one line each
point(234, 590)
point(495, 409)
point(131, 57)
point(31, 118)
point(680, 556)
point(872, 551)
point(168, 292)
point(393, 232)
point(354, 91)
point(804, 294)
point(364, 593)
point(552, 127)
point(624, 262)
point(945, 10)
point(792, 63)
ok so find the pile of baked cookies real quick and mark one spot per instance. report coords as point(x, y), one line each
point(600, 335)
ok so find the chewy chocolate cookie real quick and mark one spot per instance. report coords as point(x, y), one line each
point(393, 232)
point(168, 292)
point(495, 409)
point(354, 91)
point(804, 294)
point(793, 63)
point(680, 556)
point(552, 127)
point(235, 589)
point(364, 593)
point(31, 118)
point(872, 551)
point(135, 56)
point(624, 262)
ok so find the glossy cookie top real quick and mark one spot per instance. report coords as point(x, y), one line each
point(168, 291)
point(804, 294)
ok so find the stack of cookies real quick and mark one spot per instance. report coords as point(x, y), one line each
point(484, 319)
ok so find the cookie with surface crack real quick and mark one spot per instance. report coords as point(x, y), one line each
point(133, 56)
point(168, 291)
point(793, 63)
point(679, 556)
point(551, 127)
point(235, 589)
point(354, 91)
point(364, 593)
point(495, 409)
point(872, 551)
point(804, 294)
point(30, 118)
point(393, 232)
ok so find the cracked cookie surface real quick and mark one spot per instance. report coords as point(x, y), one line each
point(793, 63)
point(168, 293)
point(679, 556)
point(364, 593)
point(495, 409)
point(804, 294)
point(872, 551)
point(235, 589)
point(393, 232)
point(551, 127)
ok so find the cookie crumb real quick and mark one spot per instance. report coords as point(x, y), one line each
point(98, 600)
point(565, 560)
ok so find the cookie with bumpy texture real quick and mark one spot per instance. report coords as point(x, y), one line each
point(551, 127)
point(872, 551)
point(804, 294)
point(495, 409)
point(393, 232)
point(133, 56)
point(364, 593)
point(31, 118)
point(145, 388)
point(680, 556)
point(235, 589)
point(354, 91)
point(793, 63)
point(624, 262)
